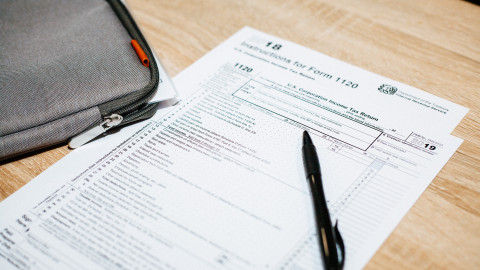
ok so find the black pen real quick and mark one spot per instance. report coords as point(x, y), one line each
point(329, 237)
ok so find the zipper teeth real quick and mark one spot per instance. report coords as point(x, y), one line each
point(136, 114)
point(131, 108)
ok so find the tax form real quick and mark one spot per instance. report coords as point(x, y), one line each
point(217, 181)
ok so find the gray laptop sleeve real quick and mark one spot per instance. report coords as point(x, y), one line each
point(66, 67)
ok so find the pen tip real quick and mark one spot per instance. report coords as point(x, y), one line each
point(306, 138)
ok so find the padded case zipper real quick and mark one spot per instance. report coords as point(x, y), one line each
point(139, 98)
point(134, 106)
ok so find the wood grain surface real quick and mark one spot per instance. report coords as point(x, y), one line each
point(433, 45)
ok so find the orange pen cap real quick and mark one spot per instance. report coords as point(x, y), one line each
point(141, 54)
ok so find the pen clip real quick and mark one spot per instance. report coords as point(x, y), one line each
point(340, 246)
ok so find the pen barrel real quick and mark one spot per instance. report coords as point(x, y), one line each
point(327, 242)
point(310, 160)
point(326, 237)
point(319, 201)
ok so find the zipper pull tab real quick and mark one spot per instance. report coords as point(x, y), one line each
point(88, 135)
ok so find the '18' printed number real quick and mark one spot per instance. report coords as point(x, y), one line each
point(274, 46)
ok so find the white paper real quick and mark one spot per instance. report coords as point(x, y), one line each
point(217, 181)
point(166, 91)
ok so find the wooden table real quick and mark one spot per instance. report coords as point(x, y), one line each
point(433, 45)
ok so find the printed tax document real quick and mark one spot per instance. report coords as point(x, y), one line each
point(217, 181)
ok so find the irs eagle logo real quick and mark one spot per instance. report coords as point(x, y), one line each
point(387, 89)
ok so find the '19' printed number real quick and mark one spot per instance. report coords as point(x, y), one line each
point(431, 147)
